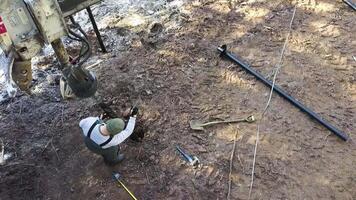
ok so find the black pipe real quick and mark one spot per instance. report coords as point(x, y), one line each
point(282, 93)
point(351, 4)
point(96, 30)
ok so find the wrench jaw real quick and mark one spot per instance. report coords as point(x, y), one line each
point(195, 162)
point(192, 160)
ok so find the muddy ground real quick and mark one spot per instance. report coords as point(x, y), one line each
point(175, 74)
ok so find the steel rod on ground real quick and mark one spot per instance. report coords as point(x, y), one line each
point(225, 53)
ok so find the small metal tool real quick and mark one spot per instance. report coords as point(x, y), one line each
point(192, 160)
point(199, 126)
point(117, 177)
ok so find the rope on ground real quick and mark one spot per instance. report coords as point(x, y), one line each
point(231, 163)
point(277, 68)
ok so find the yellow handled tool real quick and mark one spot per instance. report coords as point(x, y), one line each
point(117, 176)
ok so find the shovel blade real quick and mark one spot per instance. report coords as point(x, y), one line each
point(196, 125)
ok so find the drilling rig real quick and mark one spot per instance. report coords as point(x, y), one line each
point(27, 25)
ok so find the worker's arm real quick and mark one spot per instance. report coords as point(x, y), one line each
point(123, 135)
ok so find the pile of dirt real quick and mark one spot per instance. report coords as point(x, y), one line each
point(174, 74)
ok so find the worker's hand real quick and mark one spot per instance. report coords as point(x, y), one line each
point(133, 111)
point(103, 116)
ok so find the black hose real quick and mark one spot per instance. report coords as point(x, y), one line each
point(85, 43)
point(86, 54)
point(81, 52)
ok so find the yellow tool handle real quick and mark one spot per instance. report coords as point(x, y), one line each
point(127, 190)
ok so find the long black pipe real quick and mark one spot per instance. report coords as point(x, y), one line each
point(337, 132)
point(96, 30)
point(351, 4)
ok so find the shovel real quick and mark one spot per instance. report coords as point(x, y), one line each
point(199, 126)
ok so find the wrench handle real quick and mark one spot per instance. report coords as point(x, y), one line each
point(186, 156)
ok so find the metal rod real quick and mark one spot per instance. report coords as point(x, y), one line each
point(96, 30)
point(282, 93)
